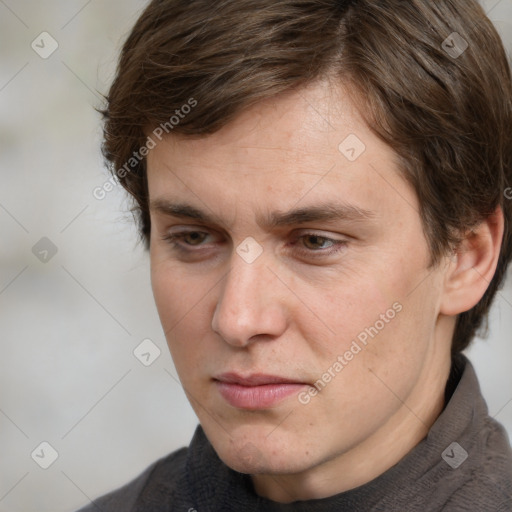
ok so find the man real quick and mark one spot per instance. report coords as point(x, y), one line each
point(322, 188)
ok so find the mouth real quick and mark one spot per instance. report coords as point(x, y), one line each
point(257, 391)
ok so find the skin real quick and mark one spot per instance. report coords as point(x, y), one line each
point(300, 304)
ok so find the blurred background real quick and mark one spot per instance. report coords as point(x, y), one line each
point(80, 414)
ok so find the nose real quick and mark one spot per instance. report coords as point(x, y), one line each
point(251, 304)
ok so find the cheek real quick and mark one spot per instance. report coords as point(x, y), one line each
point(353, 304)
point(394, 355)
point(182, 304)
point(380, 326)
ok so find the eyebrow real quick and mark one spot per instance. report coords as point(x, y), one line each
point(323, 212)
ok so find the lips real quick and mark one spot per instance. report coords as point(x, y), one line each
point(257, 391)
point(257, 379)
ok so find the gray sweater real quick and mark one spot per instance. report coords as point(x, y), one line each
point(463, 464)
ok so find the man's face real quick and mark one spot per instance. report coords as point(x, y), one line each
point(312, 267)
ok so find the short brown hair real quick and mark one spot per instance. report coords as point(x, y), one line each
point(445, 109)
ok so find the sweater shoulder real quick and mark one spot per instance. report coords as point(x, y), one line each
point(488, 484)
point(124, 499)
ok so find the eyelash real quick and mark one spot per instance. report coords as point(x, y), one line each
point(337, 245)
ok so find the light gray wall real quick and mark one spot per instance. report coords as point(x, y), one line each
point(68, 326)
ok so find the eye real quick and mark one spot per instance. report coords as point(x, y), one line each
point(184, 239)
point(311, 245)
point(317, 245)
point(313, 241)
point(193, 237)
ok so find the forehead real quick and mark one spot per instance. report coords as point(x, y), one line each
point(301, 124)
point(299, 147)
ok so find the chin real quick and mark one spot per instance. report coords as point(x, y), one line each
point(261, 456)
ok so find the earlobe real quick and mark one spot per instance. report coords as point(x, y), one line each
point(473, 266)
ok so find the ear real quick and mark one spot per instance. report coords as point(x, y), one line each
point(473, 266)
